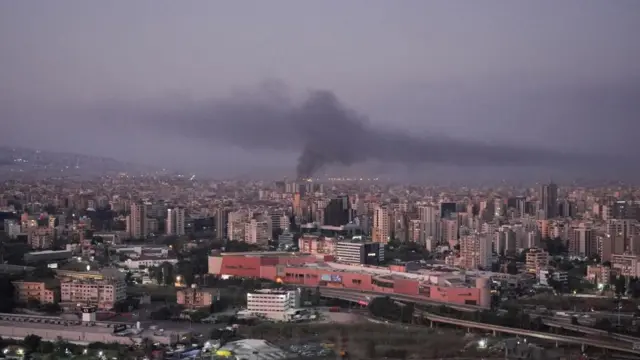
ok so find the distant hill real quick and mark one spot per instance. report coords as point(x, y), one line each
point(18, 162)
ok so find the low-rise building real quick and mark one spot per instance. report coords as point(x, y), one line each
point(599, 275)
point(196, 298)
point(100, 293)
point(41, 291)
point(273, 304)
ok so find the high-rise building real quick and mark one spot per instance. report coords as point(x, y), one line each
point(582, 241)
point(236, 225)
point(429, 217)
point(338, 212)
point(447, 209)
point(475, 251)
point(221, 219)
point(258, 232)
point(137, 221)
point(549, 199)
point(175, 221)
point(381, 229)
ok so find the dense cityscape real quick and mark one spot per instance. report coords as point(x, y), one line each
point(153, 265)
point(319, 180)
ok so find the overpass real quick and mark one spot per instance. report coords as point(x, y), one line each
point(357, 295)
point(616, 342)
point(610, 345)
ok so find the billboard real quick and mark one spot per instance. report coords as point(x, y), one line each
point(331, 278)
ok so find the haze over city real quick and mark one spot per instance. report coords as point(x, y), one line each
point(289, 180)
point(205, 87)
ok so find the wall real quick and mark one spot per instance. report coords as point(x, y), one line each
point(241, 266)
point(455, 295)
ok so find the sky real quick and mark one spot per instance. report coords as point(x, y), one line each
point(86, 76)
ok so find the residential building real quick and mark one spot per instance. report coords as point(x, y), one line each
point(137, 221)
point(174, 224)
point(100, 293)
point(582, 241)
point(257, 232)
point(475, 252)
point(35, 290)
point(536, 259)
point(381, 229)
point(195, 297)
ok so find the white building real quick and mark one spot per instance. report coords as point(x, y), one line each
point(273, 304)
point(12, 228)
point(175, 221)
point(148, 262)
point(257, 232)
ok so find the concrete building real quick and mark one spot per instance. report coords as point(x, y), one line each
point(476, 251)
point(549, 199)
point(137, 221)
point(35, 290)
point(194, 297)
point(381, 228)
point(257, 232)
point(100, 293)
point(174, 224)
point(273, 304)
point(298, 269)
point(582, 241)
point(41, 237)
point(536, 259)
point(366, 253)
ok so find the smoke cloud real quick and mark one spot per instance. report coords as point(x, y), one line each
point(326, 132)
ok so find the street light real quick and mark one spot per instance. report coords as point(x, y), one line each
point(482, 344)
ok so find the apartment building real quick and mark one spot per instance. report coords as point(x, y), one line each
point(24, 291)
point(475, 252)
point(536, 259)
point(101, 293)
point(626, 264)
point(194, 297)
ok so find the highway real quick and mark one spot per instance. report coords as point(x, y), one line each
point(616, 342)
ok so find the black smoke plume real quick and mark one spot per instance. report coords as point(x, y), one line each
point(325, 132)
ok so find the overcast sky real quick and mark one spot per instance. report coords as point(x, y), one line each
point(561, 74)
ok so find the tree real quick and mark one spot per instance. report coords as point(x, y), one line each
point(128, 278)
point(147, 346)
point(32, 343)
point(51, 308)
point(620, 285)
point(512, 268)
point(7, 302)
point(46, 347)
